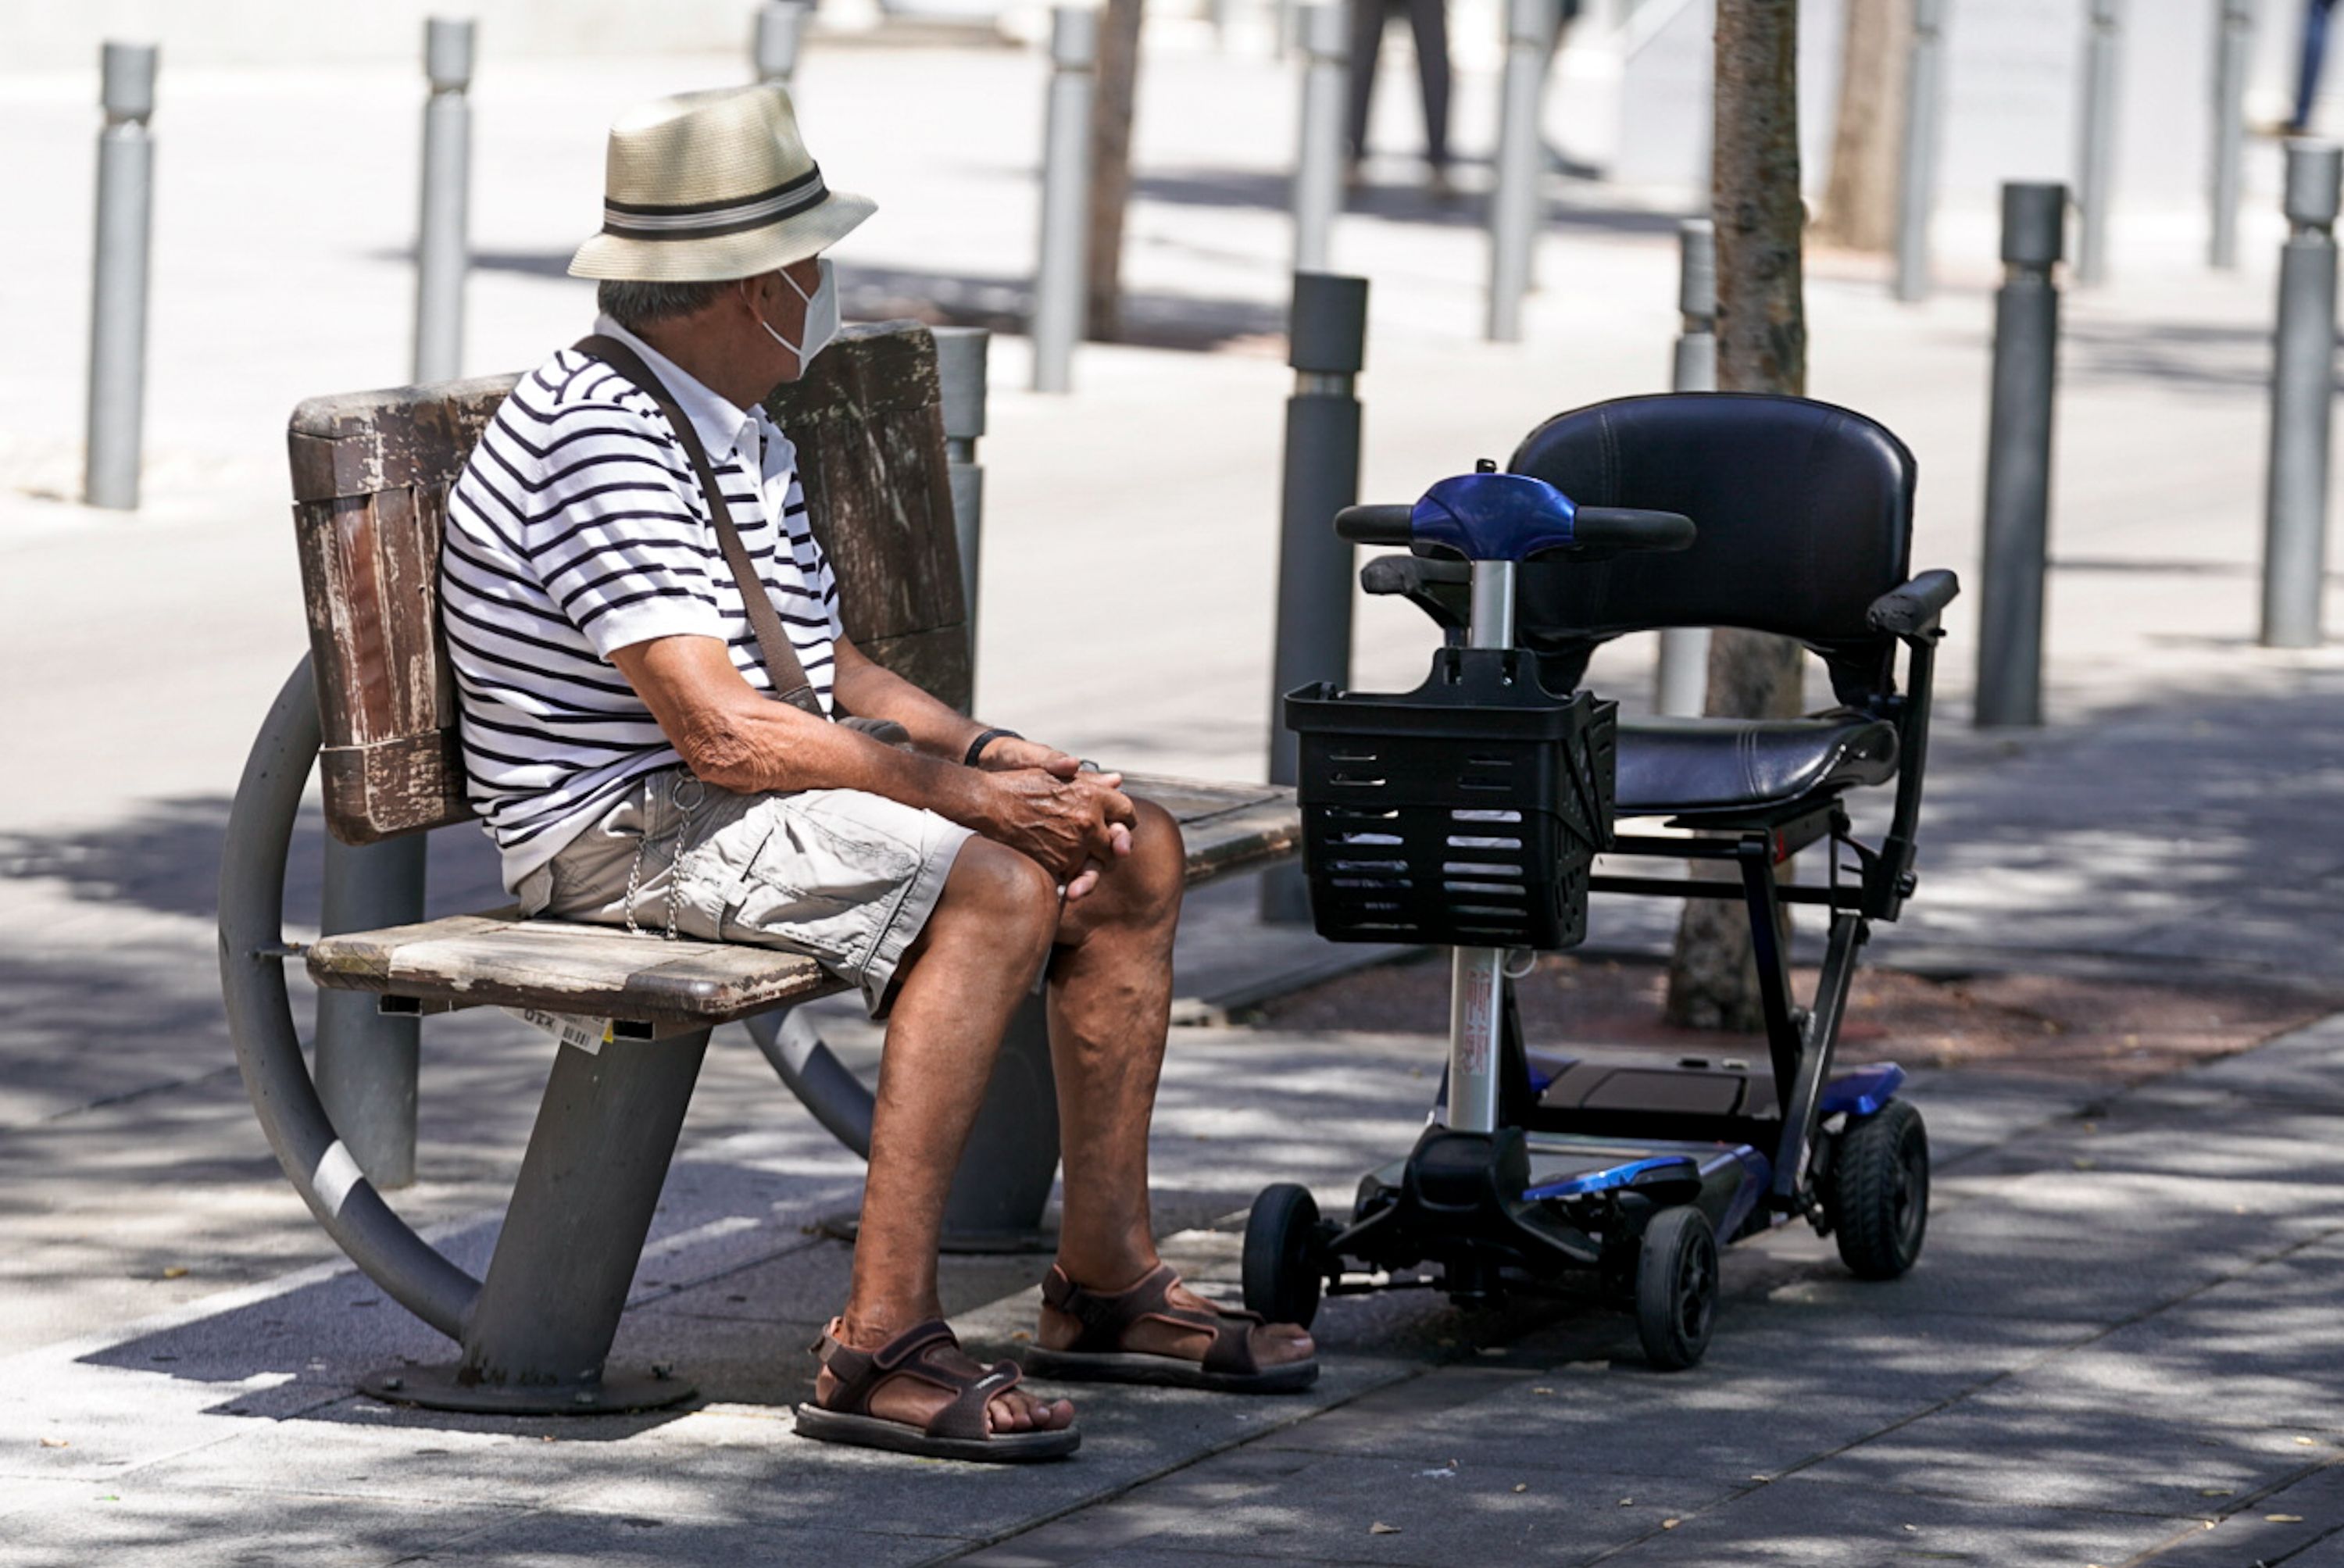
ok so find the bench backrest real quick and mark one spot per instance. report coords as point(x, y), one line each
point(372, 472)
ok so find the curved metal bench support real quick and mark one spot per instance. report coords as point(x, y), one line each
point(535, 1335)
point(267, 1049)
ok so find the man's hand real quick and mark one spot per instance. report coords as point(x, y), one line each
point(1008, 753)
point(1070, 821)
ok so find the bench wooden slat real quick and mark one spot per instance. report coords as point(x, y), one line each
point(599, 971)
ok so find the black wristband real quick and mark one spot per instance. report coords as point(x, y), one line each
point(984, 739)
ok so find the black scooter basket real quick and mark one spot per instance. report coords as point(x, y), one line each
point(1466, 812)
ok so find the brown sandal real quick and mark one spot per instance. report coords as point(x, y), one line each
point(1097, 1354)
point(924, 1354)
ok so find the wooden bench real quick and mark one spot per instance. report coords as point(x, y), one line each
point(371, 473)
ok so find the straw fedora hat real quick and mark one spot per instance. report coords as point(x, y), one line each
point(707, 187)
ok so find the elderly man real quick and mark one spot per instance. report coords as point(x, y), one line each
point(646, 637)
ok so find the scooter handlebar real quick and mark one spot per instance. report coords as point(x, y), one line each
point(1376, 524)
point(1616, 529)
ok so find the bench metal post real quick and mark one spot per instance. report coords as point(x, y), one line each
point(1521, 154)
point(2096, 162)
point(2303, 392)
point(961, 356)
point(1327, 344)
point(2233, 53)
point(1916, 182)
point(2018, 458)
point(367, 1060)
point(773, 46)
point(117, 315)
point(443, 246)
point(1681, 685)
point(1060, 278)
point(1318, 154)
point(537, 1335)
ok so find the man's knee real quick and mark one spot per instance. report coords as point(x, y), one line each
point(1007, 892)
point(1157, 868)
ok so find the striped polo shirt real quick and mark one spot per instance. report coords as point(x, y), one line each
point(578, 528)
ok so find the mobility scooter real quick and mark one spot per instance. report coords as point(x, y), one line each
point(1469, 813)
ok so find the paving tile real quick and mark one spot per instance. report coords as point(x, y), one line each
point(2300, 1524)
point(1820, 1524)
point(1322, 1509)
point(129, 1522)
point(552, 1538)
point(2007, 1449)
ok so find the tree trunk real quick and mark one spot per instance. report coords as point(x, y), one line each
point(1761, 347)
point(1111, 115)
point(1859, 210)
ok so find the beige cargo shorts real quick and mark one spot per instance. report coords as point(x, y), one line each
point(847, 878)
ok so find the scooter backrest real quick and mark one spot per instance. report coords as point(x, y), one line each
point(1805, 512)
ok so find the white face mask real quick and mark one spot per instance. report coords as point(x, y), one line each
point(821, 315)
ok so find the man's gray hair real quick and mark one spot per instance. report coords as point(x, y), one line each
point(635, 305)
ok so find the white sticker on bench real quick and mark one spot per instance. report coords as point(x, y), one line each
point(335, 1174)
point(579, 1032)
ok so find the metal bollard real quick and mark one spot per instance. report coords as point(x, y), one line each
point(442, 246)
point(1059, 280)
point(773, 45)
point(2018, 457)
point(961, 355)
point(1680, 688)
point(1916, 184)
point(1522, 152)
point(2096, 165)
point(2303, 388)
point(1318, 154)
point(118, 312)
point(367, 1060)
point(1327, 344)
point(2233, 47)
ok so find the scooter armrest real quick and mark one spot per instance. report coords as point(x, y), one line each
point(1912, 609)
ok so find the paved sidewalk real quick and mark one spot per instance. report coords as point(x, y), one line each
point(2123, 1329)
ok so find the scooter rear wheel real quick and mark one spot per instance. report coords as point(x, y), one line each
point(1879, 1197)
point(1283, 1278)
point(1676, 1288)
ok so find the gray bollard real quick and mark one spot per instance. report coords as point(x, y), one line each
point(1327, 344)
point(1680, 688)
point(118, 305)
point(2018, 457)
point(960, 367)
point(442, 244)
point(1318, 152)
point(1916, 182)
point(1060, 281)
point(1521, 155)
point(2303, 390)
point(773, 45)
point(2096, 162)
point(365, 1060)
point(2233, 49)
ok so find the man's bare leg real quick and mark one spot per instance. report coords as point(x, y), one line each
point(1110, 1004)
point(975, 962)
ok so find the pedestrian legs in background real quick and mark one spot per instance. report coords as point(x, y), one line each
point(2314, 55)
point(1428, 21)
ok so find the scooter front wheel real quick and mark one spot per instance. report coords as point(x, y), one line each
point(1879, 1191)
point(1283, 1270)
point(1676, 1288)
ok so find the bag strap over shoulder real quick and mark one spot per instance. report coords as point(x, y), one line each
point(782, 667)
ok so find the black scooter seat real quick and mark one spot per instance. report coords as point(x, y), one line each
point(1670, 765)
